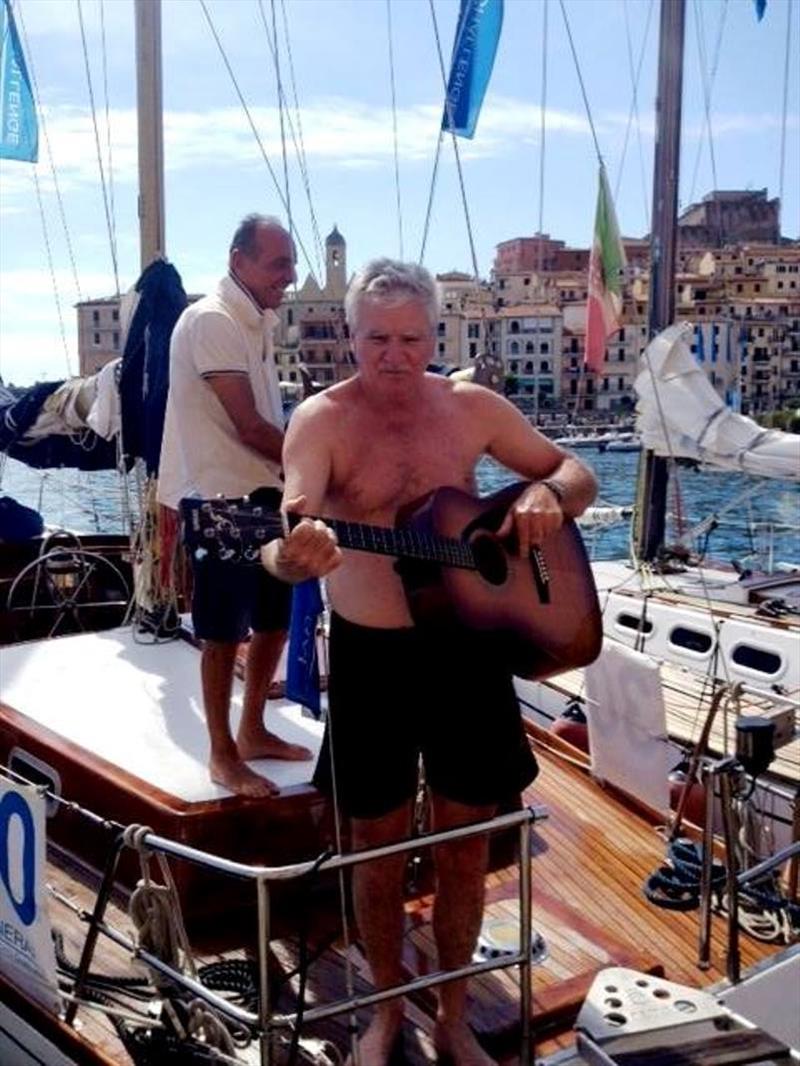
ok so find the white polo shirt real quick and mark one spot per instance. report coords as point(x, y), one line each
point(201, 451)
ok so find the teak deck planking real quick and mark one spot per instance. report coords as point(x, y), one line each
point(687, 697)
point(590, 859)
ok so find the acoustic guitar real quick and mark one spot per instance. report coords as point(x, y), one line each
point(454, 568)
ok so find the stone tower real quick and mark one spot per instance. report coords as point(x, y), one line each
point(335, 263)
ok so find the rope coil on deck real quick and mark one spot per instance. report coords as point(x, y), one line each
point(155, 909)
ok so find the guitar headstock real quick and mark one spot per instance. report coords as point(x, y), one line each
point(231, 530)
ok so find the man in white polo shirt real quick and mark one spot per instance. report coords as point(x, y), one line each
point(223, 435)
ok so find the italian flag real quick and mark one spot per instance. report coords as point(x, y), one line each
point(606, 266)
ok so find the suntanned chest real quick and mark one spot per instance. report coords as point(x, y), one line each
point(406, 458)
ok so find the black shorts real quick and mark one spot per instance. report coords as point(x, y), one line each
point(397, 693)
point(230, 599)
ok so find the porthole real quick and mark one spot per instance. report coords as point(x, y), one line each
point(634, 622)
point(757, 659)
point(690, 640)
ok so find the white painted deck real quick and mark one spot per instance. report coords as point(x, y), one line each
point(139, 706)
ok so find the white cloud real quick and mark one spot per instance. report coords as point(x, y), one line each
point(336, 130)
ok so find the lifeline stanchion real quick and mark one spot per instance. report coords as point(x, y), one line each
point(264, 1022)
point(95, 925)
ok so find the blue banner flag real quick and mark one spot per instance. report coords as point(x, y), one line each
point(761, 7)
point(302, 666)
point(19, 136)
point(479, 24)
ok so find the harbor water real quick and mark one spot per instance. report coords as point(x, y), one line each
point(761, 528)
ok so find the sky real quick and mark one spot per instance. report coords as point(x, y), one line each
point(55, 251)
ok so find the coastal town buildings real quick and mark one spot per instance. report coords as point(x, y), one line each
point(312, 341)
point(738, 284)
point(99, 333)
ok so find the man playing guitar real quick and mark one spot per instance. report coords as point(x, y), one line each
point(359, 452)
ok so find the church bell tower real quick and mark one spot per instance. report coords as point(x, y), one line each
point(335, 263)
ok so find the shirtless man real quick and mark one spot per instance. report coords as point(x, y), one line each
point(360, 451)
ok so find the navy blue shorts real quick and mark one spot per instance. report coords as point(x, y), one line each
point(396, 694)
point(230, 599)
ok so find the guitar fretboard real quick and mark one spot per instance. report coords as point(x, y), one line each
point(404, 543)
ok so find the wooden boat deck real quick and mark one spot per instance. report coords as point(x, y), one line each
point(590, 860)
point(687, 698)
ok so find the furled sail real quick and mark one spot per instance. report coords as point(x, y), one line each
point(76, 423)
point(679, 413)
point(51, 424)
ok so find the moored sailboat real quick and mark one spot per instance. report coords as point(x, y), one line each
point(575, 925)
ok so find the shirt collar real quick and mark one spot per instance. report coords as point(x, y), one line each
point(234, 292)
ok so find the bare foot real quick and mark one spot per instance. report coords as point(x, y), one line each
point(377, 1044)
point(456, 1043)
point(238, 777)
point(261, 744)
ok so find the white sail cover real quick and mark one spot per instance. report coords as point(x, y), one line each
point(679, 413)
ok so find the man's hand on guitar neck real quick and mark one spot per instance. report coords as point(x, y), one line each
point(535, 515)
point(308, 550)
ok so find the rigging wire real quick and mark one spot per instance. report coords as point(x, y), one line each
point(52, 268)
point(583, 87)
point(537, 361)
point(97, 147)
point(109, 152)
point(300, 150)
point(635, 73)
point(54, 173)
point(456, 152)
point(543, 127)
point(394, 128)
point(281, 106)
point(781, 172)
point(429, 208)
point(252, 124)
point(708, 80)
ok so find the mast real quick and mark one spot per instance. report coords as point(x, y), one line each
point(151, 130)
point(650, 511)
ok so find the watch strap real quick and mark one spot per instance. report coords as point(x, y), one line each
point(558, 488)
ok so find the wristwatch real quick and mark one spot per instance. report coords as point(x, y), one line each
point(558, 488)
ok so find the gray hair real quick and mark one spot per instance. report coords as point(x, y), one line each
point(392, 282)
point(244, 239)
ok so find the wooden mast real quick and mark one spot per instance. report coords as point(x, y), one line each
point(151, 130)
point(649, 521)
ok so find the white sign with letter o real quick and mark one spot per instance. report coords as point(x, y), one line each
point(27, 957)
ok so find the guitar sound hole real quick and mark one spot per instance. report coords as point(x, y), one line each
point(490, 559)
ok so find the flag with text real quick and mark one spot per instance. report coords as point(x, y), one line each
point(19, 136)
point(477, 34)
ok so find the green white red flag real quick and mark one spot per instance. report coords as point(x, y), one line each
point(606, 275)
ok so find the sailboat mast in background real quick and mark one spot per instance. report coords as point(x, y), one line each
point(151, 130)
point(649, 522)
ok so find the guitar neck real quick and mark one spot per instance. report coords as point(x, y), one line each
point(402, 543)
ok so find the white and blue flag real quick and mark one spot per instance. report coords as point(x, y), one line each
point(302, 665)
point(479, 25)
point(19, 135)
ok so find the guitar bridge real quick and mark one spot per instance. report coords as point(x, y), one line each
point(541, 575)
